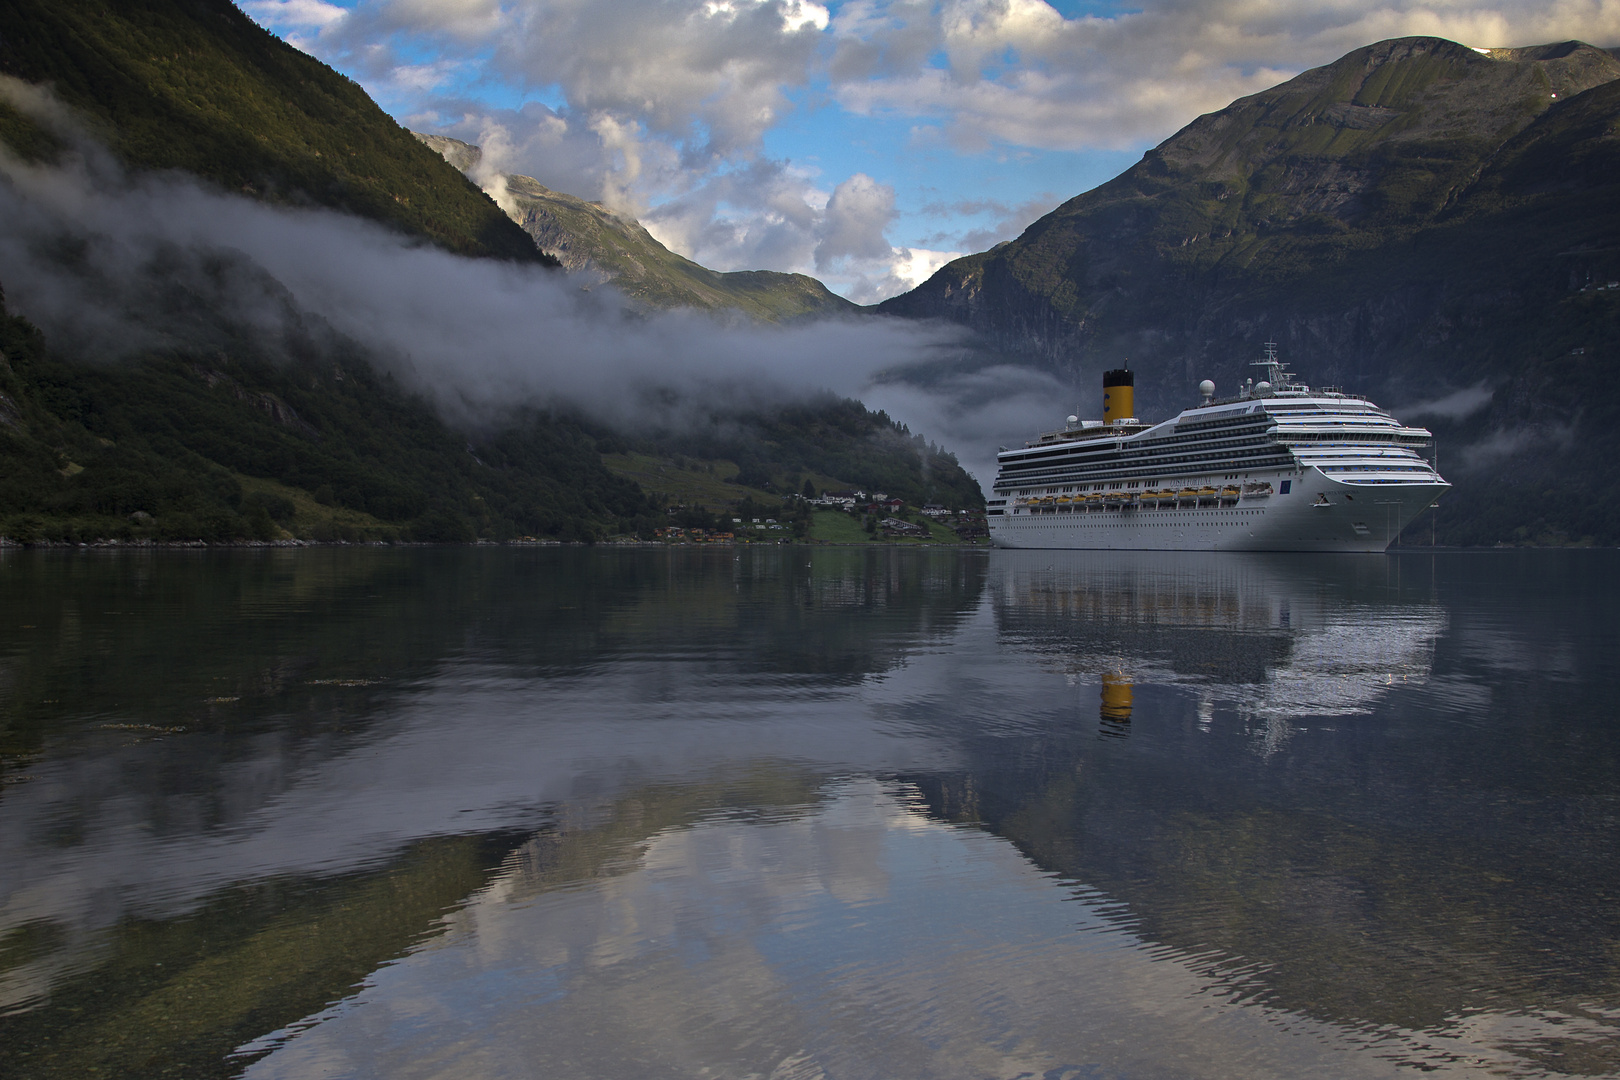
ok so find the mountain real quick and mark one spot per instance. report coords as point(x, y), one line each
point(588, 238)
point(1430, 224)
point(196, 85)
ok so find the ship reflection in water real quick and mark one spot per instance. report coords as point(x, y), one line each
point(1277, 637)
point(837, 813)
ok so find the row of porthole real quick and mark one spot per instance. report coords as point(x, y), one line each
point(1031, 521)
point(1091, 514)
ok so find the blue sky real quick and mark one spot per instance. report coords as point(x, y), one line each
point(863, 141)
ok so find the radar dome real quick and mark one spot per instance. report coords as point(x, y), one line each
point(1074, 420)
point(1207, 388)
point(1262, 388)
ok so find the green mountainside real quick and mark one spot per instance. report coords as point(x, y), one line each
point(196, 85)
point(588, 238)
point(1415, 220)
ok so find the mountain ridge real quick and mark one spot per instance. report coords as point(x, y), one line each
point(587, 238)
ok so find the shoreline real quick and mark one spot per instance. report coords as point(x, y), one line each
point(149, 545)
point(7, 544)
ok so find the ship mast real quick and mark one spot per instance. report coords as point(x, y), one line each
point(1277, 373)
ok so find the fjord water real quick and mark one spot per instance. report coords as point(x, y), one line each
point(794, 813)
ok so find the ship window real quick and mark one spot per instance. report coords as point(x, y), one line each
point(1286, 484)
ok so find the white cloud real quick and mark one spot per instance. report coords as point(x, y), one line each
point(424, 77)
point(764, 215)
point(1458, 405)
point(466, 20)
point(857, 216)
point(916, 265)
point(301, 14)
point(712, 77)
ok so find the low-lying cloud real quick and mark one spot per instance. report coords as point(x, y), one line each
point(1458, 405)
point(1501, 447)
point(111, 265)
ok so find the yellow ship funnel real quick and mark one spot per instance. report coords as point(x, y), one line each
point(1116, 697)
point(1119, 395)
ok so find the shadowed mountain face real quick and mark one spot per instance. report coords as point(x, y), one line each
point(588, 238)
point(1420, 221)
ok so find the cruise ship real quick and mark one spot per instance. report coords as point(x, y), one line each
point(1279, 467)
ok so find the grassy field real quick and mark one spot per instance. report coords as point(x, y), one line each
point(699, 483)
point(837, 527)
point(311, 519)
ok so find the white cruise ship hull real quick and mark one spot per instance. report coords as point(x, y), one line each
point(1320, 513)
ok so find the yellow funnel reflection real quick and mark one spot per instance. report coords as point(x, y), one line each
point(1116, 697)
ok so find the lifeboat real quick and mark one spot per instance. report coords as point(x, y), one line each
point(1256, 490)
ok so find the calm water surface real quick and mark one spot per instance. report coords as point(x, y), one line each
point(792, 813)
